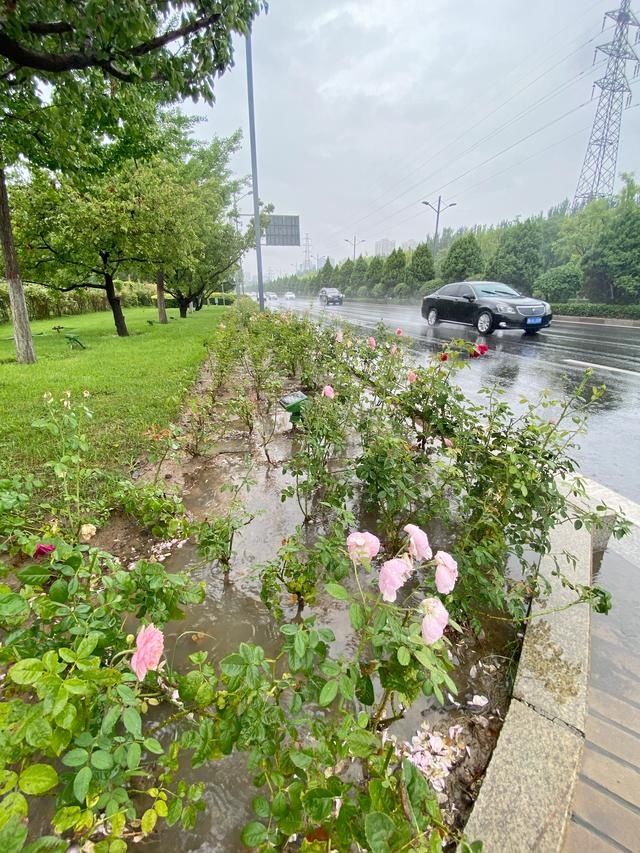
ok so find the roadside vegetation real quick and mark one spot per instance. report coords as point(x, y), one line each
point(97, 716)
point(589, 255)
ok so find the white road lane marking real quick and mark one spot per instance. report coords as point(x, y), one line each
point(600, 366)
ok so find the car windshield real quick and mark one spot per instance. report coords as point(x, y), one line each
point(332, 290)
point(491, 289)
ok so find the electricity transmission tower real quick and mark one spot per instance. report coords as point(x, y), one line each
point(599, 168)
point(307, 253)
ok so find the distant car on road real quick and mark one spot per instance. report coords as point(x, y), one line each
point(487, 305)
point(289, 295)
point(330, 296)
point(271, 299)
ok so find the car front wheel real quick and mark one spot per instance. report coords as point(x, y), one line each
point(484, 323)
point(432, 317)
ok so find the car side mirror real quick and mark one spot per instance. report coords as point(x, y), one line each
point(469, 297)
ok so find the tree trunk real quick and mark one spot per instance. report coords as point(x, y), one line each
point(162, 310)
point(25, 352)
point(116, 307)
point(184, 306)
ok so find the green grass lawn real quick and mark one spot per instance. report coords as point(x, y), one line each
point(134, 382)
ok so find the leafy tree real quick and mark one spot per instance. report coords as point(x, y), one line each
point(64, 67)
point(463, 260)
point(560, 283)
point(343, 276)
point(325, 275)
point(359, 274)
point(517, 260)
point(420, 269)
point(394, 269)
point(580, 231)
point(612, 266)
point(375, 270)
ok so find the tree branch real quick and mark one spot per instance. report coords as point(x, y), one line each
point(78, 286)
point(46, 28)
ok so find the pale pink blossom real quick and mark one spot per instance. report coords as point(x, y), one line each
point(411, 377)
point(394, 349)
point(447, 442)
point(446, 572)
point(399, 332)
point(435, 620)
point(419, 547)
point(394, 574)
point(362, 546)
point(328, 391)
point(149, 648)
point(371, 343)
point(339, 336)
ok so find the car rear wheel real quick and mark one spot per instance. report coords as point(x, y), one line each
point(432, 317)
point(484, 323)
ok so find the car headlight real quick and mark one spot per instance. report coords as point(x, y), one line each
point(503, 308)
point(547, 308)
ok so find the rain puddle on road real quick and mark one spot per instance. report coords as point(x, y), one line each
point(233, 613)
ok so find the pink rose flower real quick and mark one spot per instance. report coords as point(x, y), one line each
point(362, 546)
point(447, 442)
point(435, 620)
point(446, 572)
point(43, 550)
point(393, 574)
point(328, 391)
point(394, 349)
point(411, 377)
point(419, 547)
point(399, 332)
point(339, 336)
point(149, 648)
point(371, 343)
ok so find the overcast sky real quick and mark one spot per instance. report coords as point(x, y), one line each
point(366, 107)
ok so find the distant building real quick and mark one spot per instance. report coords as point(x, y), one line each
point(410, 245)
point(384, 247)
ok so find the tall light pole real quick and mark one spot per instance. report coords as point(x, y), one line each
point(355, 242)
point(438, 210)
point(254, 172)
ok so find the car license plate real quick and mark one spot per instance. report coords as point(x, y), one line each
point(534, 321)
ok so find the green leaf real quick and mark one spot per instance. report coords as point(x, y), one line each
point(59, 591)
point(364, 690)
point(34, 575)
point(110, 719)
point(357, 616)
point(378, 830)
point(300, 643)
point(149, 820)
point(81, 784)
point(8, 781)
point(260, 807)
point(102, 760)
point(347, 687)
point(134, 753)
point(132, 721)
point(38, 779)
point(87, 646)
point(49, 844)
point(26, 671)
point(175, 810)
point(13, 835)
point(300, 759)
point(335, 590)
point(76, 758)
point(161, 808)
point(404, 656)
point(328, 692)
point(153, 745)
point(13, 805)
point(38, 733)
point(254, 834)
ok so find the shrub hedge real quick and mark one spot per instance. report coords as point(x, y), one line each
point(593, 309)
point(45, 302)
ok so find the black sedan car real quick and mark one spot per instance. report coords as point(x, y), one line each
point(330, 296)
point(487, 305)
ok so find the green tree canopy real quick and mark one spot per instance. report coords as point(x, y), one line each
point(464, 259)
point(420, 268)
point(359, 274)
point(393, 272)
point(559, 284)
point(517, 260)
point(375, 270)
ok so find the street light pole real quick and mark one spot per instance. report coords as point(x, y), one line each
point(355, 242)
point(254, 172)
point(438, 210)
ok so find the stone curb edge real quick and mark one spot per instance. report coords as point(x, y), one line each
point(525, 799)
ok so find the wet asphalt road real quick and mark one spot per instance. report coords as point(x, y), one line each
point(524, 366)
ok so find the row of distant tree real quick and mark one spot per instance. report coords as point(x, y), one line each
point(593, 253)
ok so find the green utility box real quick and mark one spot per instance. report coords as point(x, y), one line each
point(294, 404)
